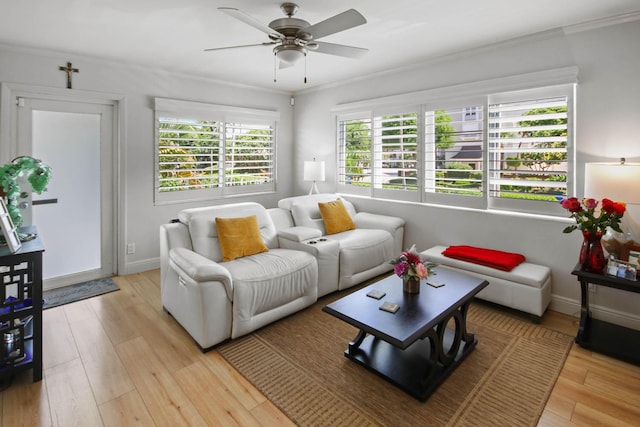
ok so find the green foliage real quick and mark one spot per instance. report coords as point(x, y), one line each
point(513, 162)
point(195, 161)
point(461, 170)
point(541, 161)
point(444, 131)
point(38, 174)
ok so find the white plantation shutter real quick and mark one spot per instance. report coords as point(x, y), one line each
point(249, 154)
point(354, 153)
point(395, 153)
point(529, 147)
point(454, 152)
point(205, 150)
point(498, 144)
point(188, 154)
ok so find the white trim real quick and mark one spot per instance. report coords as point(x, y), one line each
point(141, 266)
point(10, 91)
point(572, 307)
point(554, 77)
point(602, 22)
point(206, 111)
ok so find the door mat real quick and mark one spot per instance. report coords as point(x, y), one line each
point(77, 292)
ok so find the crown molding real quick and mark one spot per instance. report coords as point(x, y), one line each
point(603, 22)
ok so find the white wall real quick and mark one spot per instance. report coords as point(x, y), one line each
point(140, 86)
point(608, 110)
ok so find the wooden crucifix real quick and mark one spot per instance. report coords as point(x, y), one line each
point(69, 69)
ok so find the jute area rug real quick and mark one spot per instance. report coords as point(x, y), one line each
point(298, 364)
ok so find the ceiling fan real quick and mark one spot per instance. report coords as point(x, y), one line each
point(292, 38)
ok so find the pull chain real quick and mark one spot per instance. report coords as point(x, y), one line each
point(275, 60)
point(305, 68)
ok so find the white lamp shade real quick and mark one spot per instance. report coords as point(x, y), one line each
point(615, 181)
point(314, 171)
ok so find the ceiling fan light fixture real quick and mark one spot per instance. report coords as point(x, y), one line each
point(289, 54)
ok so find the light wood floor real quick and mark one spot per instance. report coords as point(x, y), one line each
point(120, 360)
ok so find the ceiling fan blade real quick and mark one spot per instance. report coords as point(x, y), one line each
point(243, 45)
point(340, 22)
point(247, 19)
point(339, 50)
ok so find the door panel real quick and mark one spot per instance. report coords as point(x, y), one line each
point(74, 216)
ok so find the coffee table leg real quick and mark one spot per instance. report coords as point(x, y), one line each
point(467, 337)
point(450, 356)
point(435, 344)
point(355, 343)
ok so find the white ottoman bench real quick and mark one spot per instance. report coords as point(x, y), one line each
point(526, 288)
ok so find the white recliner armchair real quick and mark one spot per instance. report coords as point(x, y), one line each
point(215, 300)
point(345, 258)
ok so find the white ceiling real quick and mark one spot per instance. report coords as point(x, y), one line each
point(172, 34)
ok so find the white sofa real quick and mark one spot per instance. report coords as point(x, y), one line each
point(346, 258)
point(215, 300)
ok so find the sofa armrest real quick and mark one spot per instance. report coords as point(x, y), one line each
point(299, 234)
point(200, 269)
point(384, 222)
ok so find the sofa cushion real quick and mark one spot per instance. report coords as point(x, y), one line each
point(239, 237)
point(204, 233)
point(271, 279)
point(305, 210)
point(335, 217)
point(362, 249)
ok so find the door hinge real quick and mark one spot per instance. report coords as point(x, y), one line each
point(20, 101)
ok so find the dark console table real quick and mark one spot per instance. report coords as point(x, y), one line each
point(21, 308)
point(604, 337)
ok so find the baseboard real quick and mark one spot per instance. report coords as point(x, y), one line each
point(141, 266)
point(572, 308)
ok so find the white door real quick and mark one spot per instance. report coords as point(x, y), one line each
point(74, 216)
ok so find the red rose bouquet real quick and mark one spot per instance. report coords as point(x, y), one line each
point(589, 218)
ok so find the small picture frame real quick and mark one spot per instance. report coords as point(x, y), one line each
point(631, 254)
point(622, 269)
point(8, 229)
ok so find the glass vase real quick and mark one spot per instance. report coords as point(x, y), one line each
point(591, 253)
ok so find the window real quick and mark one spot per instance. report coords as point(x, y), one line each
point(379, 154)
point(206, 151)
point(529, 134)
point(354, 169)
point(454, 153)
point(395, 151)
point(464, 146)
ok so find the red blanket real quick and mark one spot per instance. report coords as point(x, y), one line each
point(504, 261)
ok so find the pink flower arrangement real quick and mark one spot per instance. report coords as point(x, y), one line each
point(590, 220)
point(409, 264)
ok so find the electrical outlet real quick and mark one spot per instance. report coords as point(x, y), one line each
point(131, 248)
point(592, 288)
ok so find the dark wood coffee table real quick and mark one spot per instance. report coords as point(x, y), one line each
point(412, 348)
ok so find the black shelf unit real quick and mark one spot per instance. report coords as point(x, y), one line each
point(21, 308)
point(604, 337)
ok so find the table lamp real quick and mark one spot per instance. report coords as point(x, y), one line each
point(313, 171)
point(619, 182)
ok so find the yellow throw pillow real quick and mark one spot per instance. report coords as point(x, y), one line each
point(335, 216)
point(239, 237)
